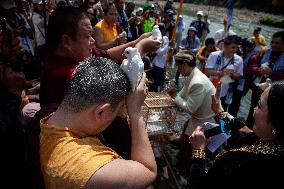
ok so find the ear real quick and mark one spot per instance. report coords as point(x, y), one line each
point(67, 42)
point(101, 112)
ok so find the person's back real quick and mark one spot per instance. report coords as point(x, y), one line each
point(71, 154)
point(60, 149)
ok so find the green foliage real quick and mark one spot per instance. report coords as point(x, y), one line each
point(272, 21)
point(256, 5)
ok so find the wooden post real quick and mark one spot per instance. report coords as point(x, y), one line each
point(176, 25)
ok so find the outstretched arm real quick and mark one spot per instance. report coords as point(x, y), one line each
point(143, 43)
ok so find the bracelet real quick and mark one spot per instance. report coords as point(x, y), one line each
point(198, 153)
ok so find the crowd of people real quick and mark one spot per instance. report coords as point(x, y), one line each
point(69, 118)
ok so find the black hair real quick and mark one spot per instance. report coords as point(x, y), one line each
point(274, 101)
point(248, 43)
point(279, 34)
point(63, 20)
point(210, 41)
point(108, 7)
point(96, 80)
point(232, 39)
point(257, 30)
point(162, 26)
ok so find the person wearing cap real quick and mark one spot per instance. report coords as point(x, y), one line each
point(169, 6)
point(199, 24)
point(150, 18)
point(180, 29)
point(191, 42)
point(139, 15)
point(259, 40)
point(194, 98)
point(169, 22)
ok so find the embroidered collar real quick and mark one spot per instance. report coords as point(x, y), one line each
point(259, 148)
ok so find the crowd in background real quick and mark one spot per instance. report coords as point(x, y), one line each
point(34, 76)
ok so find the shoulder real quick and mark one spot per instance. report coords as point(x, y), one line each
point(215, 53)
point(237, 57)
point(197, 39)
point(99, 24)
point(76, 158)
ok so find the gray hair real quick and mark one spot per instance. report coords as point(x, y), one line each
point(96, 80)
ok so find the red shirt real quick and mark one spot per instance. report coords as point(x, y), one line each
point(56, 75)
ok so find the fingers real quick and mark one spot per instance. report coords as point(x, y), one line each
point(147, 34)
point(199, 129)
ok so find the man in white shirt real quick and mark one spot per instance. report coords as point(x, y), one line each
point(225, 63)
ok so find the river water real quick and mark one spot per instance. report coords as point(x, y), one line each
point(240, 27)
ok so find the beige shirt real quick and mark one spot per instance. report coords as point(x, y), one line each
point(195, 98)
point(69, 157)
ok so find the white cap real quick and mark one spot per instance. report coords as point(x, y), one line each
point(7, 4)
point(199, 13)
point(37, 2)
point(139, 9)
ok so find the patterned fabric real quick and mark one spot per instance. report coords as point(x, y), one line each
point(260, 160)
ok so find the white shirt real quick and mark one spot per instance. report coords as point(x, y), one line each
point(160, 58)
point(238, 67)
point(222, 34)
